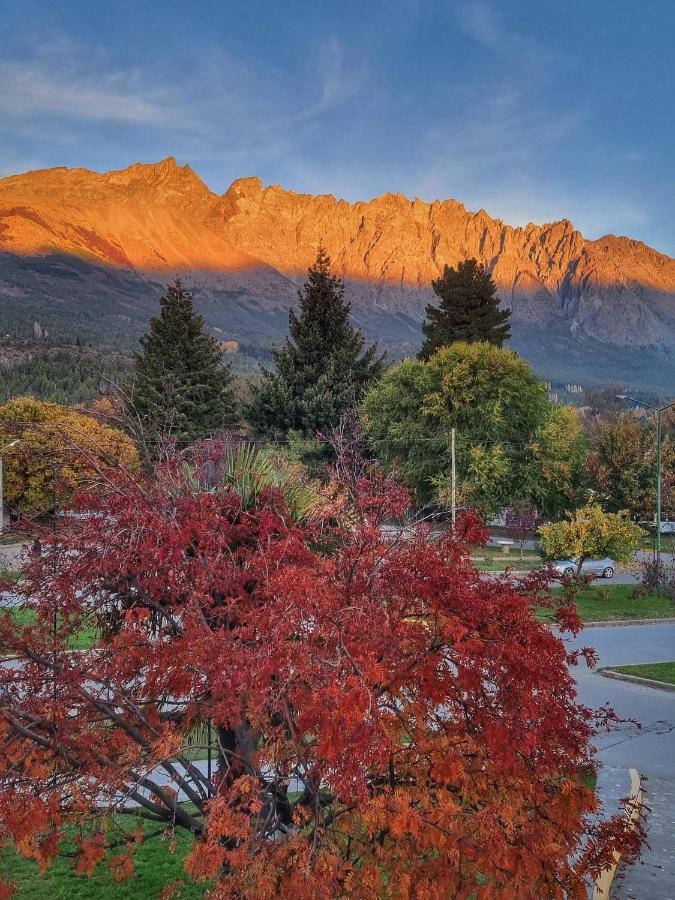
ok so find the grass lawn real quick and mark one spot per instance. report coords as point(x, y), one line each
point(156, 866)
point(9, 575)
point(13, 537)
point(618, 603)
point(490, 562)
point(667, 543)
point(663, 671)
point(81, 641)
point(500, 565)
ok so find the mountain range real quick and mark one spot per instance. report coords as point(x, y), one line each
point(85, 255)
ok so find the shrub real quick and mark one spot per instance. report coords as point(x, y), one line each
point(656, 578)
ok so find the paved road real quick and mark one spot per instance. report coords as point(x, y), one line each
point(649, 748)
point(10, 555)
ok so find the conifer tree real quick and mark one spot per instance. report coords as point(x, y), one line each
point(181, 387)
point(322, 368)
point(468, 310)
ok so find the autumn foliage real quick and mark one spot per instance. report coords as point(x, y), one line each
point(58, 449)
point(390, 723)
point(591, 532)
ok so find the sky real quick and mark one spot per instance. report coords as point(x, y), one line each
point(534, 111)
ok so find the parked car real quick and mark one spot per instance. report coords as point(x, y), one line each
point(667, 527)
point(601, 567)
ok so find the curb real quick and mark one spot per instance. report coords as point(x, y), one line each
point(637, 679)
point(618, 623)
point(603, 883)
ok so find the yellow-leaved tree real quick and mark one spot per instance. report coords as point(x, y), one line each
point(54, 450)
point(591, 532)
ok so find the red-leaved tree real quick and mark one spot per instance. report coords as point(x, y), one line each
point(388, 721)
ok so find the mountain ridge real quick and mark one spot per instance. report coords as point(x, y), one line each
point(245, 251)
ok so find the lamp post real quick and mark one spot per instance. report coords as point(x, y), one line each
point(657, 410)
point(2, 499)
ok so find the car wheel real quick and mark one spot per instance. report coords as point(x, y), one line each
point(568, 572)
point(608, 572)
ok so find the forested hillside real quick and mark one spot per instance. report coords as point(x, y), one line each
point(67, 375)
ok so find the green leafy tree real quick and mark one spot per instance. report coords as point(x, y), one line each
point(622, 466)
point(591, 532)
point(488, 394)
point(181, 387)
point(468, 310)
point(557, 482)
point(322, 369)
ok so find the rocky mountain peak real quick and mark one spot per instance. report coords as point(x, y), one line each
point(162, 218)
point(165, 180)
point(245, 187)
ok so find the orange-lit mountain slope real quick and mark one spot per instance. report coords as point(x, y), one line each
point(87, 252)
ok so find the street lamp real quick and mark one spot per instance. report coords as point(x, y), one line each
point(657, 410)
point(2, 499)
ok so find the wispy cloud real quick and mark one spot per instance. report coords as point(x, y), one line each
point(29, 90)
point(483, 23)
point(478, 21)
point(269, 113)
point(496, 135)
point(496, 145)
point(59, 78)
point(226, 109)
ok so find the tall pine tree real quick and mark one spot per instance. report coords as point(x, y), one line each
point(322, 368)
point(181, 388)
point(469, 310)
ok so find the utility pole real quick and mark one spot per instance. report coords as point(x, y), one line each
point(453, 498)
point(658, 490)
point(657, 410)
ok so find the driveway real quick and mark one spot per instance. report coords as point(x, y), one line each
point(648, 746)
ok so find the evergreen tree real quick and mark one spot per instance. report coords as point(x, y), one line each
point(181, 387)
point(322, 368)
point(469, 310)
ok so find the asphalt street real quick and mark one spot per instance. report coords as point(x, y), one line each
point(645, 740)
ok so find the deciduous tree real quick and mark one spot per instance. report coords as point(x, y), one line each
point(590, 532)
point(622, 466)
point(59, 449)
point(522, 522)
point(558, 480)
point(493, 400)
point(389, 723)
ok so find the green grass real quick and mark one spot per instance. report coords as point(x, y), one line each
point(156, 866)
point(589, 779)
point(9, 575)
point(485, 561)
point(83, 640)
point(512, 562)
point(663, 671)
point(618, 604)
point(667, 543)
point(13, 537)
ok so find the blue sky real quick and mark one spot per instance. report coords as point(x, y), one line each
point(534, 111)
